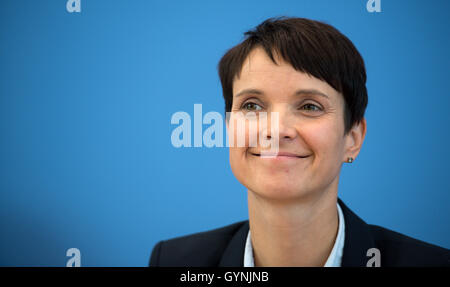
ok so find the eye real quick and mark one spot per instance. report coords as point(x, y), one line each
point(311, 107)
point(250, 106)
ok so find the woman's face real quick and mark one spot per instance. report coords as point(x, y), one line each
point(311, 127)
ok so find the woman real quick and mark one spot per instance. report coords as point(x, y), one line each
point(313, 78)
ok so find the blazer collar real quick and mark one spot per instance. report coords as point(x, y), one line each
point(357, 241)
point(233, 256)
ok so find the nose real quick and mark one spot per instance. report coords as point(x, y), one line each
point(281, 121)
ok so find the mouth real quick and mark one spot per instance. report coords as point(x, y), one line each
point(280, 155)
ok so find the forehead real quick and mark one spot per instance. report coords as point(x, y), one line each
point(260, 72)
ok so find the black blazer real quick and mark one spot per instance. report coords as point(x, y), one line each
point(225, 247)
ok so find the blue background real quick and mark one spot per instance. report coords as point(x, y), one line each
point(86, 100)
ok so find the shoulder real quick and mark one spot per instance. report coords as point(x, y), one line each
point(198, 249)
point(397, 249)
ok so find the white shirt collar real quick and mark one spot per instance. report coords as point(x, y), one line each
point(334, 259)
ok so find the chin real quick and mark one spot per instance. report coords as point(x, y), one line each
point(279, 191)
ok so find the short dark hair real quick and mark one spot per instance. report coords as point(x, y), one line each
point(312, 47)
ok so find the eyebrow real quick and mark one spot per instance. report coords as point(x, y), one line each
point(297, 93)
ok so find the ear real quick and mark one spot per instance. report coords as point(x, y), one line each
point(354, 140)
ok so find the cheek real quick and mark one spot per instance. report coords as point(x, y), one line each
point(236, 155)
point(325, 139)
point(238, 141)
point(243, 133)
point(238, 163)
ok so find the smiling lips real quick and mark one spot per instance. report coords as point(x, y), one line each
point(281, 155)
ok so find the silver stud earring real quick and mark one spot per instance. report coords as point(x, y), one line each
point(350, 160)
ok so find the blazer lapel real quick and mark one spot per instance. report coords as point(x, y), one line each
point(357, 241)
point(233, 255)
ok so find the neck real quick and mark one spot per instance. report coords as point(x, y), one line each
point(293, 233)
